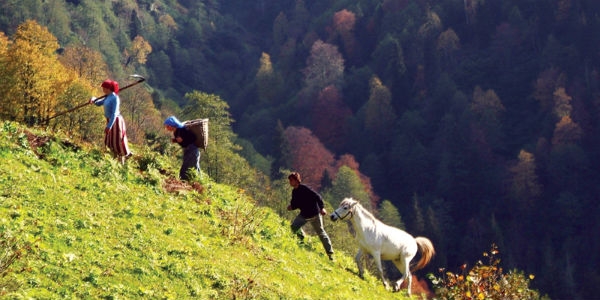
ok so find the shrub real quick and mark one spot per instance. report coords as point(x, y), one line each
point(483, 281)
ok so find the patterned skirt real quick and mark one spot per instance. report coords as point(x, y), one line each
point(116, 138)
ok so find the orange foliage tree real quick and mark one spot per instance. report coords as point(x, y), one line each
point(308, 155)
point(566, 131)
point(343, 23)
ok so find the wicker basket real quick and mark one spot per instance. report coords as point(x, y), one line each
point(200, 128)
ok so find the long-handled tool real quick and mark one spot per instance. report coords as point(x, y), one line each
point(140, 79)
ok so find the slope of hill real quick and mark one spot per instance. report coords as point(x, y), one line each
point(98, 230)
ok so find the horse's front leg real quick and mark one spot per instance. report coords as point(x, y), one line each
point(377, 258)
point(357, 259)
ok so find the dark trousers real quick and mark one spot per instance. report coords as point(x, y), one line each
point(317, 224)
point(191, 161)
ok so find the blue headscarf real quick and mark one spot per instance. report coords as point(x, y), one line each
point(173, 122)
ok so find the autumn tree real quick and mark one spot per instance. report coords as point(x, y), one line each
point(269, 84)
point(308, 155)
point(562, 103)
point(448, 43)
point(4, 46)
point(86, 62)
point(138, 52)
point(324, 67)
point(330, 118)
point(379, 115)
point(432, 25)
point(343, 24)
point(141, 115)
point(86, 123)
point(35, 77)
point(566, 132)
point(524, 183)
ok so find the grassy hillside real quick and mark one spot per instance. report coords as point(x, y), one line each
point(98, 230)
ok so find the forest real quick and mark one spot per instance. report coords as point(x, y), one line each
point(475, 120)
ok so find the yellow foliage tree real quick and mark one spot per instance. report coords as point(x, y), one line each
point(35, 77)
point(268, 82)
point(525, 187)
point(140, 49)
point(85, 123)
point(566, 132)
point(86, 62)
point(5, 82)
point(562, 103)
point(379, 113)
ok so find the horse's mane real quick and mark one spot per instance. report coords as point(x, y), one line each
point(354, 203)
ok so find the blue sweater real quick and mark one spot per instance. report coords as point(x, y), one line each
point(111, 108)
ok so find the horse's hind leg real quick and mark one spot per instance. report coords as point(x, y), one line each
point(403, 266)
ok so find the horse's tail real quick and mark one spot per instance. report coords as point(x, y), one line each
point(427, 252)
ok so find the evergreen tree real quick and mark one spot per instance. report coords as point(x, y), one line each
point(347, 184)
point(388, 214)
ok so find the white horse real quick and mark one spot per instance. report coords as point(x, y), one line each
point(384, 242)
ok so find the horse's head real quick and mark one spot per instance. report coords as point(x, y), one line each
point(345, 209)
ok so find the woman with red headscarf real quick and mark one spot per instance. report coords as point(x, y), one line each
point(115, 133)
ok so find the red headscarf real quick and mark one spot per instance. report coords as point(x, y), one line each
point(111, 85)
point(115, 86)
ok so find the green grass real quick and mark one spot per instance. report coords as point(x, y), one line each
point(98, 230)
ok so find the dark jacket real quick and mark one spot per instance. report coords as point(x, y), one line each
point(187, 136)
point(308, 201)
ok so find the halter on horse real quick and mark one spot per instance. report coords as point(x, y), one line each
point(384, 242)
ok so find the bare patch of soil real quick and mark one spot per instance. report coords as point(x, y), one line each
point(173, 185)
